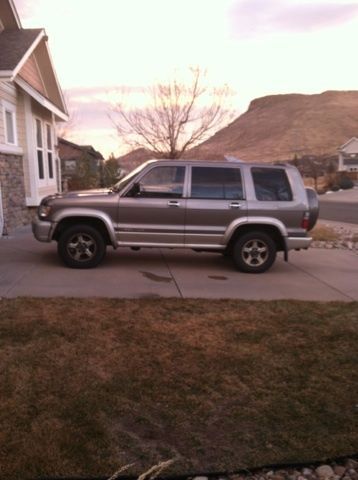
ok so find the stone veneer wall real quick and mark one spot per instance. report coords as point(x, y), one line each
point(13, 192)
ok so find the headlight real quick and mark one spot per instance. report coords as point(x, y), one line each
point(44, 211)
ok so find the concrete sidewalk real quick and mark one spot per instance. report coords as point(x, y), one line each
point(30, 268)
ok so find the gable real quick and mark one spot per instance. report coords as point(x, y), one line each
point(48, 73)
point(350, 147)
point(31, 74)
point(14, 46)
point(25, 59)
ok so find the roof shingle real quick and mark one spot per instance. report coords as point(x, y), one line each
point(14, 44)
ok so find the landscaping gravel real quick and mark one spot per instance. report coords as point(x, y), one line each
point(347, 234)
point(342, 470)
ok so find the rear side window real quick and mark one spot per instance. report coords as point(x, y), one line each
point(216, 183)
point(271, 184)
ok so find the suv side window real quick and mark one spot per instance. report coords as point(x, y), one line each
point(216, 183)
point(163, 182)
point(271, 184)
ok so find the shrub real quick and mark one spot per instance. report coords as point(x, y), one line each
point(346, 183)
point(335, 188)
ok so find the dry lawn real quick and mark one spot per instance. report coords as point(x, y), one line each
point(89, 385)
point(323, 233)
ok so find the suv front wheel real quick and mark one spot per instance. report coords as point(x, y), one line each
point(254, 252)
point(81, 246)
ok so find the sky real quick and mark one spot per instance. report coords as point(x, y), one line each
point(256, 47)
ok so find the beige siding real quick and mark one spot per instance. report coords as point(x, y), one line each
point(48, 75)
point(11, 94)
point(31, 74)
point(20, 119)
point(8, 93)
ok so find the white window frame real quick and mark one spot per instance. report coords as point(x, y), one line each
point(47, 180)
point(50, 150)
point(10, 108)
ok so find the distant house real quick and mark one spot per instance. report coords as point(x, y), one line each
point(31, 102)
point(81, 166)
point(348, 156)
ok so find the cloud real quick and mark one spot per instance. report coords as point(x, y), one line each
point(255, 17)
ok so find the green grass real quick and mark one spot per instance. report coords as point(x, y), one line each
point(87, 386)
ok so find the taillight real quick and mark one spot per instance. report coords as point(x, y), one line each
point(305, 221)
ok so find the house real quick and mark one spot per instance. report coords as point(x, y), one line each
point(81, 165)
point(348, 156)
point(31, 102)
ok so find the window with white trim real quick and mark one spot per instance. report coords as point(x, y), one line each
point(40, 150)
point(10, 123)
point(49, 145)
point(45, 151)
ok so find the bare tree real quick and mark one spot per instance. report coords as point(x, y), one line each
point(177, 117)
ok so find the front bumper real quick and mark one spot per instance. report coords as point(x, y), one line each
point(296, 243)
point(42, 230)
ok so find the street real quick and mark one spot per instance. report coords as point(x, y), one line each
point(340, 206)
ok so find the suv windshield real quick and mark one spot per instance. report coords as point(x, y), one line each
point(117, 187)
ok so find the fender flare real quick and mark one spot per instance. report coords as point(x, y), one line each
point(69, 213)
point(264, 221)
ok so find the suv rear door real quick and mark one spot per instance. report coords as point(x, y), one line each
point(273, 197)
point(215, 199)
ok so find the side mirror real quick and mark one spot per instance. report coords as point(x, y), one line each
point(135, 190)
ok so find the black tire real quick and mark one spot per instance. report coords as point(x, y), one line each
point(254, 252)
point(81, 246)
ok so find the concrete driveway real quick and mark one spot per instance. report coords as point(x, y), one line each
point(30, 268)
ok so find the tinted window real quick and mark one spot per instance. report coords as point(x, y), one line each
point(163, 182)
point(216, 182)
point(271, 184)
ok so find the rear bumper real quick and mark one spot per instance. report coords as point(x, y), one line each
point(42, 230)
point(296, 243)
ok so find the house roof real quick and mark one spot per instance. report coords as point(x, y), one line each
point(9, 15)
point(68, 153)
point(16, 47)
point(351, 140)
point(14, 44)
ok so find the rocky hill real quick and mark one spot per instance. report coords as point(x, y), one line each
point(277, 127)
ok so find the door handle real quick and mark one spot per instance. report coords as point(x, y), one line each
point(235, 205)
point(173, 203)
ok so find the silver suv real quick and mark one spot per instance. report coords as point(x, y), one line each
point(246, 211)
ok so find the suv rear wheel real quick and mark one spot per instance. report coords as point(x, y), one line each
point(254, 252)
point(81, 246)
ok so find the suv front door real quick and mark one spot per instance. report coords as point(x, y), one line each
point(153, 210)
point(216, 198)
